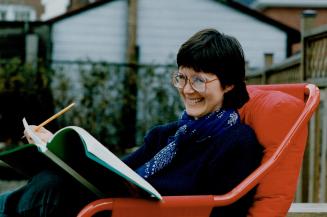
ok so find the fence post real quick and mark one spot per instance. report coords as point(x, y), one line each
point(269, 59)
point(307, 23)
point(306, 185)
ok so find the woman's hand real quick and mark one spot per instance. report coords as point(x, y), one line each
point(44, 134)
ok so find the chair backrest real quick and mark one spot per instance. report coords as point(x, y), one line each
point(273, 112)
point(279, 115)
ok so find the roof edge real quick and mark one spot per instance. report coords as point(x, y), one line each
point(293, 34)
point(283, 3)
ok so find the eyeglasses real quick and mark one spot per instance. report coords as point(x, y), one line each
point(197, 82)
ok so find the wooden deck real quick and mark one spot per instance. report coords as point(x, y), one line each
point(308, 210)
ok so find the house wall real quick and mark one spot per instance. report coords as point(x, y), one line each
point(31, 8)
point(98, 34)
point(163, 25)
point(17, 13)
point(292, 16)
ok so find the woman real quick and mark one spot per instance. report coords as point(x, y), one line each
point(207, 151)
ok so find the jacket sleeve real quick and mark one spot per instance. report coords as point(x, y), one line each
point(154, 140)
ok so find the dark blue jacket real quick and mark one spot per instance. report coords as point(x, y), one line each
point(202, 168)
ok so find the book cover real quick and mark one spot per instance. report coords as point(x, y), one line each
point(75, 151)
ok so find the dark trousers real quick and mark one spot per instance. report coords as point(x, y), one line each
point(47, 194)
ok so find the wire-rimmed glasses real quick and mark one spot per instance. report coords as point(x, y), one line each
point(197, 82)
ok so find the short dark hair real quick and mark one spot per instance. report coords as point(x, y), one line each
point(210, 51)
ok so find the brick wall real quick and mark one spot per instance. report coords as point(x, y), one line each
point(292, 16)
point(74, 4)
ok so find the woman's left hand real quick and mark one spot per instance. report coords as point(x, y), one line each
point(44, 134)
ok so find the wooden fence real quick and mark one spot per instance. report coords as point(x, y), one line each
point(286, 72)
point(315, 64)
point(311, 67)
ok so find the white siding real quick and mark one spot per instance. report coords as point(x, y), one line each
point(98, 34)
point(165, 24)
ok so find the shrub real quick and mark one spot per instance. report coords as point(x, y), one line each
point(24, 92)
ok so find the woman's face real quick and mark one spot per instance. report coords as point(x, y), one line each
point(198, 104)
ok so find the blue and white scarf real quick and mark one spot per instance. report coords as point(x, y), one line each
point(190, 130)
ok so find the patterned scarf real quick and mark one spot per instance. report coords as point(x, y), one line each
point(190, 130)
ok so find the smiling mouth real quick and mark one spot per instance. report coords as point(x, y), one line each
point(194, 101)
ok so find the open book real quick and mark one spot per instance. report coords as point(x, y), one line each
point(79, 154)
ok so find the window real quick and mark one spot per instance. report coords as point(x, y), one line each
point(22, 15)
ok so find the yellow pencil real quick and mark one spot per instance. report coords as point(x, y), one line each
point(53, 117)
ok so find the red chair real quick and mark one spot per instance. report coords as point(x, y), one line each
point(280, 122)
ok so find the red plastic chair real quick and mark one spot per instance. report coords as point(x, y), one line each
point(201, 206)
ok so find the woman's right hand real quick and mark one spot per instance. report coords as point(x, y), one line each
point(44, 134)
